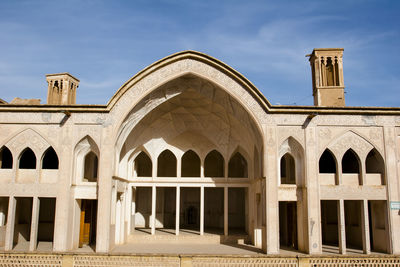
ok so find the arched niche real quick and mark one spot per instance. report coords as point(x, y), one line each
point(143, 165)
point(237, 167)
point(86, 154)
point(50, 159)
point(214, 164)
point(374, 162)
point(288, 169)
point(166, 164)
point(6, 158)
point(190, 166)
point(90, 170)
point(375, 168)
point(291, 162)
point(27, 159)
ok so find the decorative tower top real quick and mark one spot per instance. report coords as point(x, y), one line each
point(61, 89)
point(327, 76)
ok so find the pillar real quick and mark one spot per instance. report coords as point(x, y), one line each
point(311, 198)
point(365, 227)
point(34, 224)
point(392, 187)
point(226, 210)
point(104, 183)
point(178, 209)
point(9, 239)
point(271, 234)
point(342, 227)
point(133, 210)
point(202, 210)
point(153, 209)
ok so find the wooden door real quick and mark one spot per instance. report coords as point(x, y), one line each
point(85, 222)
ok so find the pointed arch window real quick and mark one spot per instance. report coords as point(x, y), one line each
point(50, 159)
point(327, 162)
point(288, 170)
point(190, 164)
point(214, 164)
point(143, 165)
point(166, 164)
point(6, 159)
point(90, 167)
point(27, 159)
point(237, 167)
point(374, 162)
point(350, 162)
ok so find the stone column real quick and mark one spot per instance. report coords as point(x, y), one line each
point(129, 210)
point(202, 210)
point(392, 187)
point(153, 209)
point(271, 240)
point(365, 227)
point(342, 227)
point(226, 210)
point(133, 210)
point(311, 191)
point(363, 176)
point(9, 239)
point(34, 224)
point(178, 209)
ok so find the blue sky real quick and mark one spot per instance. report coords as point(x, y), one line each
point(104, 43)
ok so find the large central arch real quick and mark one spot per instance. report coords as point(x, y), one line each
point(185, 120)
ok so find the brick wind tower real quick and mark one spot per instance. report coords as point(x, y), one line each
point(327, 77)
point(61, 89)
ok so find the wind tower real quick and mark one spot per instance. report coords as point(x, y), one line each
point(327, 77)
point(61, 89)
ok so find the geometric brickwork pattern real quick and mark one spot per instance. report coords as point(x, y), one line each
point(237, 262)
point(355, 262)
point(103, 261)
point(84, 260)
point(32, 260)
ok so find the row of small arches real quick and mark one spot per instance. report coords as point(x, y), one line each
point(351, 162)
point(27, 159)
point(327, 164)
point(214, 165)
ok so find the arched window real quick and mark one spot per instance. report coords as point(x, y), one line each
point(143, 165)
point(190, 164)
point(374, 162)
point(50, 159)
point(27, 159)
point(6, 159)
point(166, 164)
point(350, 162)
point(214, 164)
point(288, 171)
point(90, 167)
point(327, 163)
point(237, 167)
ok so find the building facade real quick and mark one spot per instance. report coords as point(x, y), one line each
point(189, 145)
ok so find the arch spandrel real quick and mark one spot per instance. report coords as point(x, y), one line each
point(140, 86)
point(28, 138)
point(350, 139)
